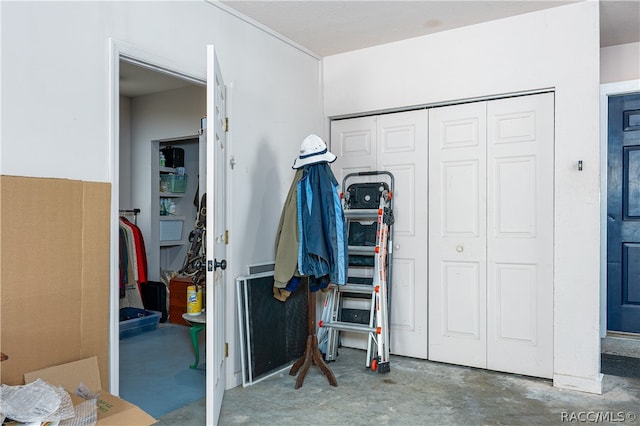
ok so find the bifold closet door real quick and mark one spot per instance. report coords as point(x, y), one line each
point(491, 235)
point(353, 141)
point(402, 150)
point(457, 234)
point(396, 143)
point(520, 152)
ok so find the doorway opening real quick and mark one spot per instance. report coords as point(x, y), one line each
point(620, 242)
point(158, 112)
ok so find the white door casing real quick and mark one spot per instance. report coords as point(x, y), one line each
point(491, 235)
point(215, 236)
point(395, 143)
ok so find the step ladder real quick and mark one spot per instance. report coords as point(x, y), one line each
point(369, 214)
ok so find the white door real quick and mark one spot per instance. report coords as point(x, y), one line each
point(491, 235)
point(457, 234)
point(402, 150)
point(396, 143)
point(215, 236)
point(520, 156)
point(353, 141)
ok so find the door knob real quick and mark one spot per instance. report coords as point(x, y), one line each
point(212, 265)
point(460, 248)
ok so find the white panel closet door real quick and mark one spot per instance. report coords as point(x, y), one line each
point(396, 143)
point(491, 235)
point(402, 150)
point(457, 234)
point(353, 141)
point(520, 235)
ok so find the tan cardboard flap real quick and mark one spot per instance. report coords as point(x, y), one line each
point(70, 375)
point(112, 411)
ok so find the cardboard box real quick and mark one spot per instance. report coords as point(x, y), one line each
point(112, 411)
point(54, 274)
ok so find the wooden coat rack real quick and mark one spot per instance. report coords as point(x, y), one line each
point(312, 353)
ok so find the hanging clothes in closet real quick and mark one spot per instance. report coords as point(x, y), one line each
point(133, 263)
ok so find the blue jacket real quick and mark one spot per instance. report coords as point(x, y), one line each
point(322, 228)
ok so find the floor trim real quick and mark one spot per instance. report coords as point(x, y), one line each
point(582, 384)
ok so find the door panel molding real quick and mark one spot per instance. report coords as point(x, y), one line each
point(492, 205)
point(398, 144)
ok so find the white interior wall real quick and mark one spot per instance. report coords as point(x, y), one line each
point(171, 114)
point(56, 97)
point(522, 53)
point(126, 201)
point(620, 63)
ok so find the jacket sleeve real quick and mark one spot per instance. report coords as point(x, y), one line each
point(286, 243)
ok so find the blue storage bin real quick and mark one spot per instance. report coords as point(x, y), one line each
point(134, 321)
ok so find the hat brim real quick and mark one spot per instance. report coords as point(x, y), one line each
point(327, 157)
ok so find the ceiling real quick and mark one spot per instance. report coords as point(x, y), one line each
point(136, 81)
point(331, 27)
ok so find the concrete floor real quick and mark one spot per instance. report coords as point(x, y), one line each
point(416, 392)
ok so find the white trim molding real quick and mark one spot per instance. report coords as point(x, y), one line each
point(606, 90)
point(262, 27)
point(580, 384)
point(118, 51)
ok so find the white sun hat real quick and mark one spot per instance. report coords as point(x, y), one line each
point(313, 150)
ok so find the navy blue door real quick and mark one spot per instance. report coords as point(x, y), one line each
point(623, 214)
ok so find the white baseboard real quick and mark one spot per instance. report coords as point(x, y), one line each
point(581, 384)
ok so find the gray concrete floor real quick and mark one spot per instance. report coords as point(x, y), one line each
point(417, 392)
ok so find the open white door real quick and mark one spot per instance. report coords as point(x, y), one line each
point(215, 236)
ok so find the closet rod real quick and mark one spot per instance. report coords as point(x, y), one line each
point(131, 211)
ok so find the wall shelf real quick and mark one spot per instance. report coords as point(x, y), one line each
point(171, 243)
point(179, 190)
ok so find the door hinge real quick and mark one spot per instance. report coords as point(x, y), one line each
point(226, 236)
point(226, 124)
point(226, 350)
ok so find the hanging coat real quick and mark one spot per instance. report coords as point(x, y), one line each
point(286, 247)
point(322, 230)
point(139, 254)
